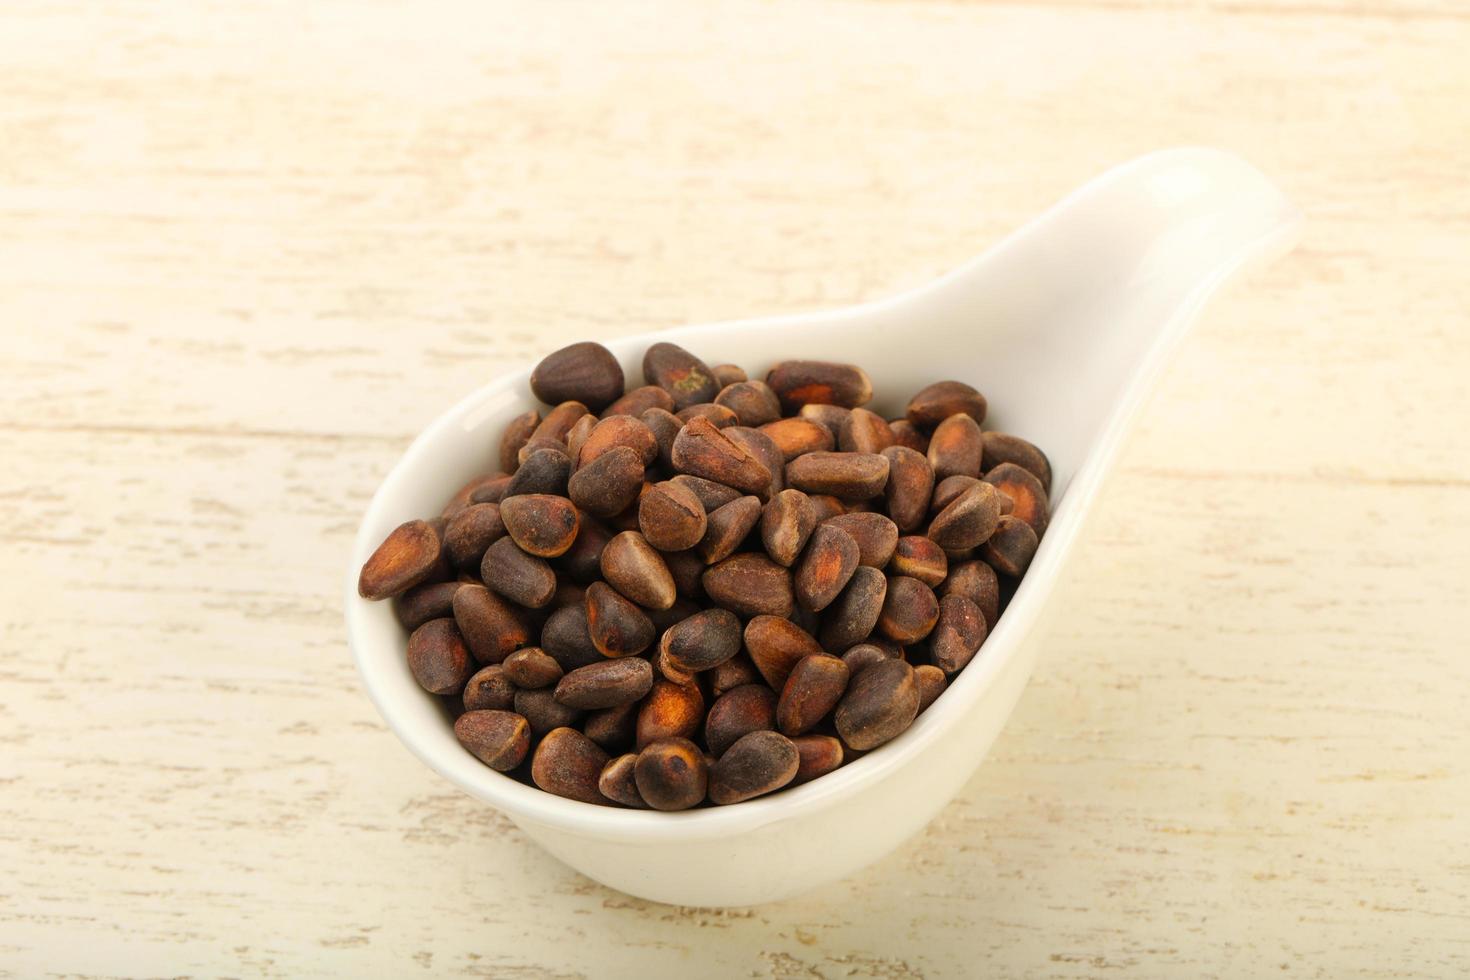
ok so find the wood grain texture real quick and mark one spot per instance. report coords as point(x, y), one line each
point(247, 250)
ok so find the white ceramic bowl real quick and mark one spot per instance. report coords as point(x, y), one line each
point(1063, 326)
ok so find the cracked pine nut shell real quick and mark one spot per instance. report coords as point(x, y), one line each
point(670, 517)
point(408, 556)
point(700, 449)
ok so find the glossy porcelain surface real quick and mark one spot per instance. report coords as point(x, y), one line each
point(1063, 325)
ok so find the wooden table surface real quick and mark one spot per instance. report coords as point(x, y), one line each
point(247, 250)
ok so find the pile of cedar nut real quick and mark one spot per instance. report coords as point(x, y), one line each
point(709, 588)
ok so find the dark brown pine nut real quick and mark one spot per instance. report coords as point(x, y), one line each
point(500, 739)
point(956, 447)
point(758, 763)
point(958, 633)
point(636, 569)
point(408, 556)
point(586, 372)
point(686, 378)
point(517, 433)
point(775, 644)
point(881, 702)
point(786, 522)
point(671, 774)
point(909, 610)
point(799, 383)
point(1011, 548)
point(944, 399)
point(568, 763)
point(738, 712)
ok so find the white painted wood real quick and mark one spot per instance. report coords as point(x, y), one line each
point(245, 252)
